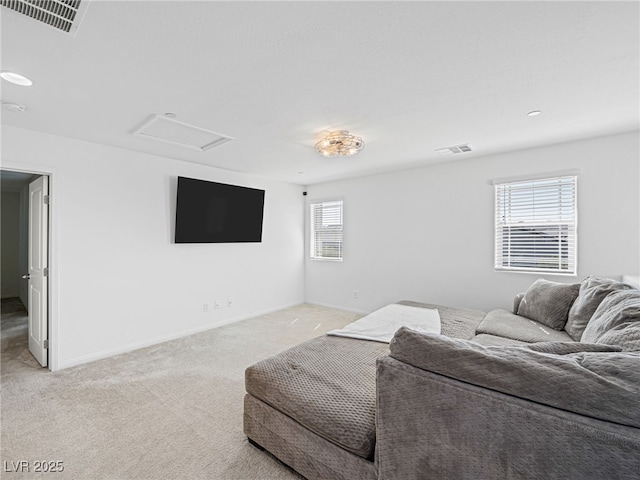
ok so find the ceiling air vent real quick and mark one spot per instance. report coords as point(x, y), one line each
point(168, 130)
point(454, 150)
point(63, 15)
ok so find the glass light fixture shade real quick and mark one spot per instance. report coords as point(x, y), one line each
point(340, 143)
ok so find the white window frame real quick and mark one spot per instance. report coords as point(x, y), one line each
point(330, 233)
point(536, 225)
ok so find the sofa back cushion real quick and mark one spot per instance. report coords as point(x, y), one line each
point(625, 336)
point(617, 311)
point(548, 302)
point(592, 291)
point(565, 348)
point(603, 385)
point(502, 323)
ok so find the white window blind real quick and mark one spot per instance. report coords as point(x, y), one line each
point(536, 225)
point(326, 230)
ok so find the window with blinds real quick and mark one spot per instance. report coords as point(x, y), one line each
point(326, 230)
point(536, 225)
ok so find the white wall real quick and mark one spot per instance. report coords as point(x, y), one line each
point(23, 247)
point(426, 234)
point(10, 252)
point(119, 280)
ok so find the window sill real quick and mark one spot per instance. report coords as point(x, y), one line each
point(536, 272)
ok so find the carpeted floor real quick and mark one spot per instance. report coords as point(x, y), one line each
point(13, 322)
point(171, 411)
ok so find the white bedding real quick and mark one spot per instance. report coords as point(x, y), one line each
point(382, 324)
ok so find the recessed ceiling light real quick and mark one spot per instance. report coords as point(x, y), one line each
point(533, 113)
point(16, 78)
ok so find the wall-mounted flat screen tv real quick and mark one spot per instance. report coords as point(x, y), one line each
point(210, 212)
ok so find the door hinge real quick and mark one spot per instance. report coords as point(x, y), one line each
point(46, 199)
point(46, 344)
point(46, 271)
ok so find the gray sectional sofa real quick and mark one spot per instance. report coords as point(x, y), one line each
point(550, 390)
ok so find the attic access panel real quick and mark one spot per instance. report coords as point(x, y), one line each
point(63, 15)
point(169, 130)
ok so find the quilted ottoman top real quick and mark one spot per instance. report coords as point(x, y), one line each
point(328, 385)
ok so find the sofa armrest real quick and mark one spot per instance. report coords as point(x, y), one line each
point(433, 426)
point(516, 302)
point(602, 385)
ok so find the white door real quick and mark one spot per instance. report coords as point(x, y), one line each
point(38, 268)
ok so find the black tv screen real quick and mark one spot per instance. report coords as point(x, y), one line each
point(210, 212)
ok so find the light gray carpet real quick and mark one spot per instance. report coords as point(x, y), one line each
point(171, 411)
point(14, 321)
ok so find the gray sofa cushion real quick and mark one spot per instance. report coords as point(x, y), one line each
point(556, 348)
point(565, 348)
point(461, 431)
point(502, 323)
point(327, 385)
point(605, 386)
point(625, 336)
point(516, 302)
point(592, 291)
point(617, 309)
point(494, 340)
point(456, 322)
point(548, 302)
point(296, 446)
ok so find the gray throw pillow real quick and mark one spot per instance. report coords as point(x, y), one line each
point(617, 309)
point(592, 291)
point(548, 302)
point(565, 348)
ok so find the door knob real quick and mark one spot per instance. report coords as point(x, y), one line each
point(26, 276)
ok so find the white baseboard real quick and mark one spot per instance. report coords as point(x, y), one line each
point(92, 357)
point(339, 307)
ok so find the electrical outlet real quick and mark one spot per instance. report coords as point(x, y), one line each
point(217, 304)
point(229, 303)
point(205, 307)
point(355, 294)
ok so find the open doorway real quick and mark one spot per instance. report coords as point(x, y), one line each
point(24, 250)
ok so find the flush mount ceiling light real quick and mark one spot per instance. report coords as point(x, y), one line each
point(340, 143)
point(16, 78)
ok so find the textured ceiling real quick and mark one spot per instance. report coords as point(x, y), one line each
point(409, 77)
